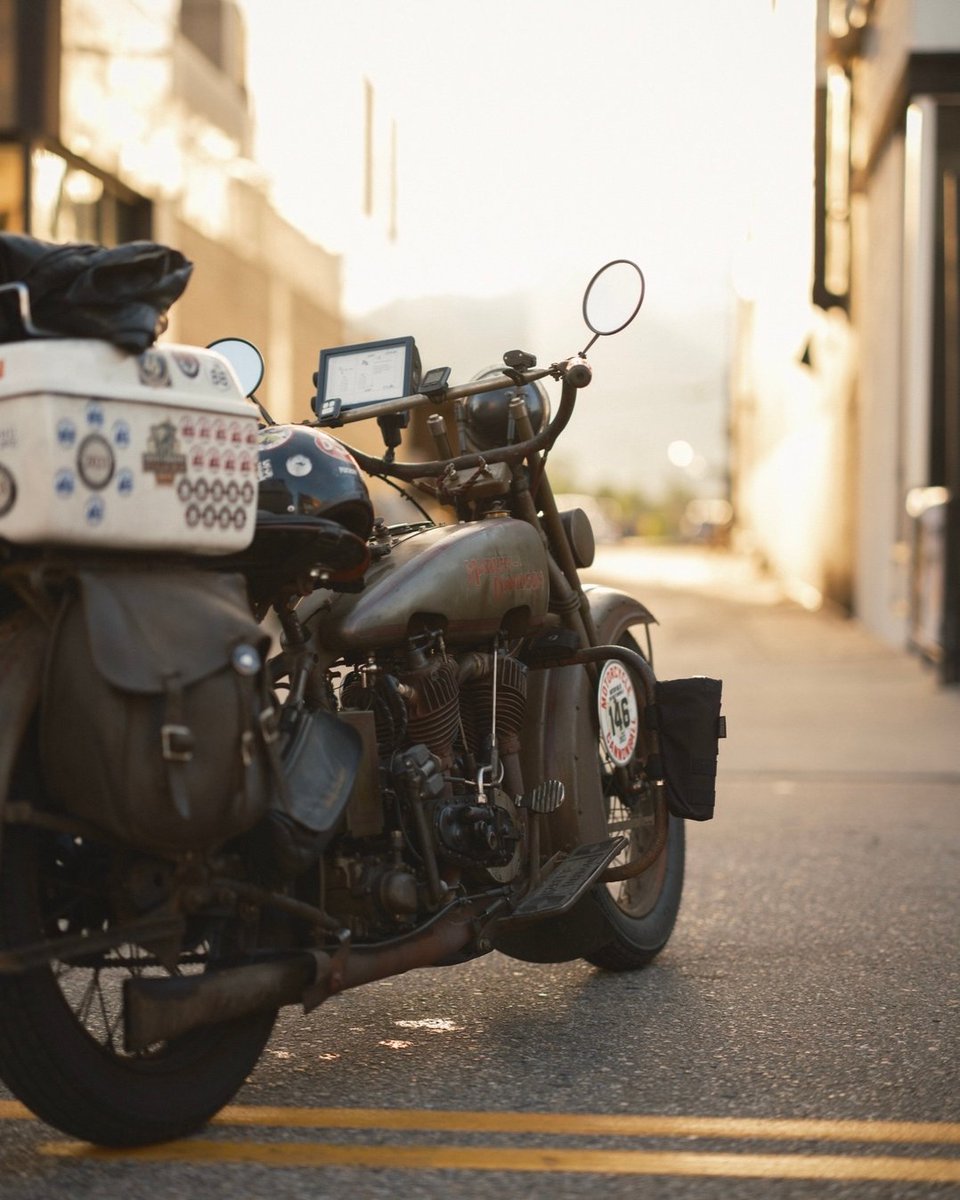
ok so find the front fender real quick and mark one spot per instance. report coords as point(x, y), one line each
point(560, 741)
point(615, 612)
point(561, 727)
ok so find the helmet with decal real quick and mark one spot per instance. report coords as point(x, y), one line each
point(313, 511)
point(305, 474)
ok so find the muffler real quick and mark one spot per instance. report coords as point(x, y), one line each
point(160, 1009)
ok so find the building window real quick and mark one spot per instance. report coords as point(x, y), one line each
point(8, 64)
point(392, 232)
point(368, 147)
point(832, 233)
point(70, 204)
point(836, 266)
point(11, 189)
point(216, 28)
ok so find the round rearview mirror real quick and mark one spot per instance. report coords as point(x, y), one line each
point(613, 297)
point(246, 360)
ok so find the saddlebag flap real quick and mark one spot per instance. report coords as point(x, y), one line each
point(686, 715)
point(156, 721)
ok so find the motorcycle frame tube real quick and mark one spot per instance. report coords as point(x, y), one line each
point(557, 539)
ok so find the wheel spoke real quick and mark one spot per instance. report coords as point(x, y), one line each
point(83, 1009)
point(104, 1013)
point(75, 1003)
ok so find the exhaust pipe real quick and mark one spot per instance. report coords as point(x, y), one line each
point(158, 1010)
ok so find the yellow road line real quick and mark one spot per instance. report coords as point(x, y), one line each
point(575, 1124)
point(594, 1124)
point(493, 1158)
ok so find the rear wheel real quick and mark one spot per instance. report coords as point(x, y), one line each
point(641, 906)
point(61, 1025)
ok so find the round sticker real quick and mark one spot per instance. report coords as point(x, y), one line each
point(64, 483)
point(330, 445)
point(275, 435)
point(618, 711)
point(94, 510)
point(189, 364)
point(95, 461)
point(8, 491)
point(299, 465)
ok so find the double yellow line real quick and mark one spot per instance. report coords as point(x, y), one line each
point(847, 1166)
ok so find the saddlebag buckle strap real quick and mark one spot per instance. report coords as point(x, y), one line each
point(269, 726)
point(176, 737)
point(177, 742)
point(248, 747)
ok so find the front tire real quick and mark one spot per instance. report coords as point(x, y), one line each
point(61, 1046)
point(639, 911)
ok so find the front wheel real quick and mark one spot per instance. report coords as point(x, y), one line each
point(640, 906)
point(61, 1040)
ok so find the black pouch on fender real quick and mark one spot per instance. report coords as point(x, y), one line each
point(156, 722)
point(319, 760)
point(688, 721)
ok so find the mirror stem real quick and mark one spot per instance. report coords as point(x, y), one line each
point(263, 412)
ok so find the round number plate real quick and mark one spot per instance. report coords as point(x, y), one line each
point(618, 711)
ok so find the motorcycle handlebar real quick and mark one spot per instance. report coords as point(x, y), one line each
point(575, 373)
point(491, 383)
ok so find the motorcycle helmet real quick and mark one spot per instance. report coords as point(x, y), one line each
point(304, 475)
point(313, 511)
point(487, 416)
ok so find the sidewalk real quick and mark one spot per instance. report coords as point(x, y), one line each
point(804, 693)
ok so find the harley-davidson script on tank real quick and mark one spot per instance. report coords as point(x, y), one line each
point(470, 580)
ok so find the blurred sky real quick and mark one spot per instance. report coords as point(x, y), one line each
point(536, 139)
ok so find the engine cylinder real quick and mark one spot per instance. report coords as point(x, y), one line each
point(511, 700)
point(433, 705)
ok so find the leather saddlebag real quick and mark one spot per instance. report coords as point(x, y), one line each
point(689, 724)
point(156, 721)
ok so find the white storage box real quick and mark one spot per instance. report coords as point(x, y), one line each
point(156, 451)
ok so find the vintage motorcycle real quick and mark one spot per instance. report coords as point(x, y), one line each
point(260, 747)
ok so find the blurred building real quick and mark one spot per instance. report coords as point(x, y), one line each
point(845, 429)
point(122, 119)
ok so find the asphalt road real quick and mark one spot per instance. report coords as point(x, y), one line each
point(799, 1036)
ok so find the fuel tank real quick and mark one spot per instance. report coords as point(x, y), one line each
point(469, 580)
